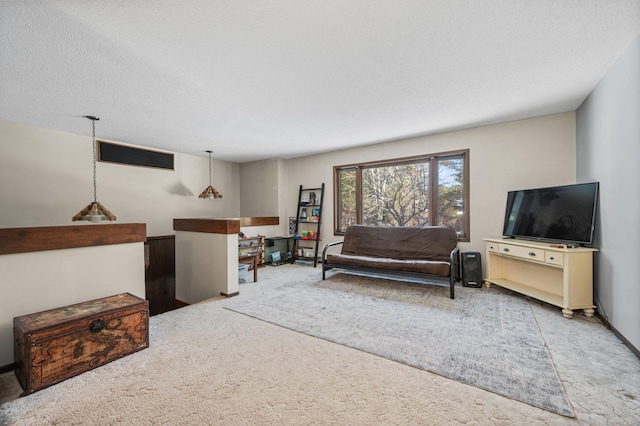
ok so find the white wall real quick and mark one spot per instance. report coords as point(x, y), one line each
point(264, 192)
point(521, 154)
point(285, 202)
point(46, 178)
point(206, 265)
point(267, 230)
point(608, 151)
point(259, 188)
point(34, 282)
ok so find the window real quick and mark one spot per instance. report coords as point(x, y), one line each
point(417, 191)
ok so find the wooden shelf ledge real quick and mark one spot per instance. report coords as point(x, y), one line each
point(32, 239)
point(222, 225)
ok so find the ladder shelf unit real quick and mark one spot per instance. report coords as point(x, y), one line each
point(306, 240)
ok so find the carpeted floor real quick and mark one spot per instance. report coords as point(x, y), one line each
point(486, 339)
point(209, 365)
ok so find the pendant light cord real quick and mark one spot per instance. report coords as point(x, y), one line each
point(95, 186)
point(209, 167)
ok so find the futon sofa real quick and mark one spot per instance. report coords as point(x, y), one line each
point(418, 252)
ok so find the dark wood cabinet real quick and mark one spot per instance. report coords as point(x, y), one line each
point(160, 274)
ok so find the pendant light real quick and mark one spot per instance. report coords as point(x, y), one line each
point(210, 192)
point(94, 212)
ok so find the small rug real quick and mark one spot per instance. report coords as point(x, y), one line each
point(485, 338)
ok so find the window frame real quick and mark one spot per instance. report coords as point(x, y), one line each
point(432, 159)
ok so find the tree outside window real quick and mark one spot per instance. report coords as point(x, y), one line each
point(401, 192)
point(346, 205)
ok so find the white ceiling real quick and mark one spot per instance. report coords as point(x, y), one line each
point(284, 78)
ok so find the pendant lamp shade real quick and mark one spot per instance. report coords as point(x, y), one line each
point(94, 212)
point(210, 192)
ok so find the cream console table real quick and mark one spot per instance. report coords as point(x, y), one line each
point(552, 273)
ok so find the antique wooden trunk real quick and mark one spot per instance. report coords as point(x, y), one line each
point(53, 345)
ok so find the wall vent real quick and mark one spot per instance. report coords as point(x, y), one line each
point(122, 154)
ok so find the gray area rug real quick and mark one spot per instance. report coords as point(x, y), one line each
point(484, 338)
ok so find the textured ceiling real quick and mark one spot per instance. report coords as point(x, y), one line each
point(261, 79)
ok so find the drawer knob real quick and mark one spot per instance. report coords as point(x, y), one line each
point(532, 254)
point(552, 258)
point(505, 249)
point(97, 326)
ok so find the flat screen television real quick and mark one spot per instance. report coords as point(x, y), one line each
point(559, 214)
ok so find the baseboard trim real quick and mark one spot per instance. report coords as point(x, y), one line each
point(230, 294)
point(619, 335)
point(179, 303)
point(7, 368)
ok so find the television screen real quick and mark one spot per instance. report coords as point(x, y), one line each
point(564, 214)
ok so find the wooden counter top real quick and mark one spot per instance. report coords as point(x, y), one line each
point(32, 239)
point(222, 225)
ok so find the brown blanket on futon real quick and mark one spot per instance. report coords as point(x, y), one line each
point(411, 249)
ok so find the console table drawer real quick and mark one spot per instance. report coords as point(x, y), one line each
point(493, 247)
point(553, 258)
point(528, 253)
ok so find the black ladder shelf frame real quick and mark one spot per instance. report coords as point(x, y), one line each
point(311, 224)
